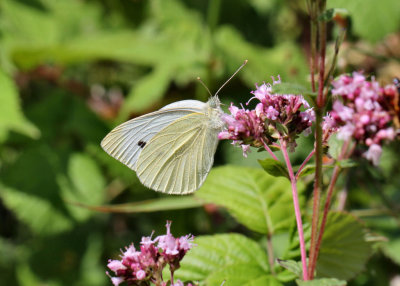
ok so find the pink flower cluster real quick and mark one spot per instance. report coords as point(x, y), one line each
point(362, 113)
point(275, 117)
point(137, 267)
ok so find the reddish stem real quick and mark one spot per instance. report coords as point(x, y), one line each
point(304, 163)
point(335, 175)
point(296, 209)
point(269, 150)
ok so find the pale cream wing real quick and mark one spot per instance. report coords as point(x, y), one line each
point(126, 141)
point(178, 159)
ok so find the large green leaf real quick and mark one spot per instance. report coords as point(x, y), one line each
point(259, 201)
point(242, 274)
point(344, 250)
point(212, 253)
point(11, 116)
point(367, 23)
point(150, 89)
point(125, 46)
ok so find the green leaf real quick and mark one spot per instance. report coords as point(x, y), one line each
point(392, 250)
point(367, 23)
point(148, 90)
point(11, 116)
point(259, 201)
point(35, 201)
point(335, 146)
point(86, 185)
point(274, 167)
point(322, 282)
point(38, 213)
point(344, 250)
point(242, 274)
point(162, 204)
point(234, 48)
point(293, 266)
point(292, 88)
point(347, 163)
point(310, 169)
point(124, 46)
point(223, 250)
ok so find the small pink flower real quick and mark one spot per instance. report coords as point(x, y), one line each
point(115, 265)
point(373, 154)
point(186, 242)
point(178, 283)
point(116, 280)
point(141, 274)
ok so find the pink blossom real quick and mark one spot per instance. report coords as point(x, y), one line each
point(373, 154)
point(115, 265)
point(361, 112)
point(141, 274)
point(147, 264)
point(276, 116)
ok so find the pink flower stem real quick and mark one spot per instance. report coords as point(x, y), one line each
point(269, 150)
point(304, 163)
point(296, 208)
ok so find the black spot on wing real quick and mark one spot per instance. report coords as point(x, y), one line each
point(141, 144)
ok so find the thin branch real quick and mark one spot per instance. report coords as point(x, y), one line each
point(304, 163)
point(296, 209)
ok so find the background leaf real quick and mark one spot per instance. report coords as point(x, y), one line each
point(367, 23)
point(344, 250)
point(11, 116)
point(242, 274)
point(274, 167)
point(259, 201)
point(322, 282)
point(223, 251)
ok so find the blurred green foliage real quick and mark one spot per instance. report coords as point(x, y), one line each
point(70, 70)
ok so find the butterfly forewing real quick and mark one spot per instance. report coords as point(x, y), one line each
point(178, 158)
point(127, 140)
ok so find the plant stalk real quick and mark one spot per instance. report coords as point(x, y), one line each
point(321, 100)
point(296, 208)
point(335, 175)
point(270, 251)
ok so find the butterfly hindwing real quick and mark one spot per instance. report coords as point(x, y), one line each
point(178, 158)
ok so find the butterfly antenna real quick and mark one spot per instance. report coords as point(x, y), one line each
point(245, 62)
point(203, 84)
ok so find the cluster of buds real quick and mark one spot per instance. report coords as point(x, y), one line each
point(363, 114)
point(139, 267)
point(275, 117)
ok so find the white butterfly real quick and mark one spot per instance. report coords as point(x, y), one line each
point(172, 149)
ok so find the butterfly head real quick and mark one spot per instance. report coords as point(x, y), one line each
point(214, 102)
